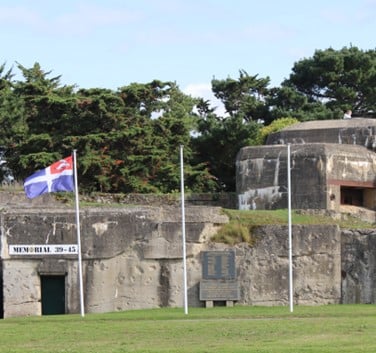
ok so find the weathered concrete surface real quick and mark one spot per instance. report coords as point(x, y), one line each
point(359, 266)
point(332, 163)
point(264, 269)
point(132, 259)
point(317, 173)
point(356, 131)
point(21, 289)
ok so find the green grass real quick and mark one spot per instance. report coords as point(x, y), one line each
point(331, 328)
point(265, 217)
point(241, 223)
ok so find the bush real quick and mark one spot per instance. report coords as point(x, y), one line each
point(275, 126)
point(233, 233)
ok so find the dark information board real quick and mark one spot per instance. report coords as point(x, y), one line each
point(218, 265)
point(219, 282)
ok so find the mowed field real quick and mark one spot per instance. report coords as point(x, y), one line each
point(329, 328)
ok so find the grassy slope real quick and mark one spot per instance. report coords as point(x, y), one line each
point(263, 217)
point(239, 229)
point(334, 328)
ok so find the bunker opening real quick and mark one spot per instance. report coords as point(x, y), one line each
point(358, 196)
point(53, 294)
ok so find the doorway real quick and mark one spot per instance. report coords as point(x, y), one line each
point(53, 295)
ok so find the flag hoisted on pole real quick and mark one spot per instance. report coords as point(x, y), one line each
point(183, 230)
point(59, 176)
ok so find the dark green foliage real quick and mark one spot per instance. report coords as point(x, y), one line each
point(128, 140)
point(243, 97)
point(218, 144)
point(219, 139)
point(12, 112)
point(286, 101)
point(339, 79)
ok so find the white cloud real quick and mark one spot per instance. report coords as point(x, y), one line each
point(203, 90)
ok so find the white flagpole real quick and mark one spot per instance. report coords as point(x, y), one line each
point(78, 236)
point(183, 230)
point(289, 226)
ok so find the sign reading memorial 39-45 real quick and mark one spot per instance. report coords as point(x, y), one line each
point(43, 249)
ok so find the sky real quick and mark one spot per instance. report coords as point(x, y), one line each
point(112, 43)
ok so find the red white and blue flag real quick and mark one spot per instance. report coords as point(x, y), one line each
point(56, 177)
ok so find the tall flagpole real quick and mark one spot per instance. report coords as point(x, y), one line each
point(289, 226)
point(183, 229)
point(78, 235)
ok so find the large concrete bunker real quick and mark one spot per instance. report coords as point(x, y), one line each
point(332, 164)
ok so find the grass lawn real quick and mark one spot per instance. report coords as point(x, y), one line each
point(329, 328)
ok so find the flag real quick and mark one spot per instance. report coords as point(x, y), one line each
point(56, 177)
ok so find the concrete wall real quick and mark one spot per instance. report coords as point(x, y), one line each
point(356, 131)
point(359, 266)
point(132, 258)
point(261, 177)
point(317, 173)
point(264, 269)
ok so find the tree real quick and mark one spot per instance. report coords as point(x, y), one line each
point(339, 79)
point(46, 112)
point(132, 137)
point(126, 140)
point(243, 97)
point(12, 113)
point(12, 122)
point(219, 139)
point(286, 101)
point(172, 129)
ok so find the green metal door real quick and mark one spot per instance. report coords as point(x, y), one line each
point(53, 295)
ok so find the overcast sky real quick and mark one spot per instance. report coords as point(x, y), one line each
point(112, 43)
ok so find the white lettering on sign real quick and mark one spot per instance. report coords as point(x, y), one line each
point(60, 249)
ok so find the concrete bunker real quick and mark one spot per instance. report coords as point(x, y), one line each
point(333, 164)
